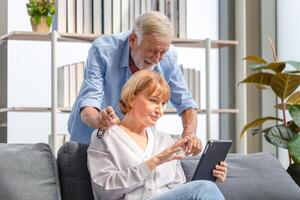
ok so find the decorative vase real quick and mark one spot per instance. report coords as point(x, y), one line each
point(41, 27)
point(294, 171)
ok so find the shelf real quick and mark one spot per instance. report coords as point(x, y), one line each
point(36, 36)
point(33, 109)
point(203, 111)
point(201, 43)
point(76, 37)
point(67, 110)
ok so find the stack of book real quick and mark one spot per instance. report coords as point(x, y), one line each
point(192, 79)
point(69, 80)
point(113, 16)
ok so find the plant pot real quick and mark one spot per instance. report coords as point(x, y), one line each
point(40, 27)
point(294, 171)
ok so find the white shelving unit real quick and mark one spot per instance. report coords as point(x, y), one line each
point(55, 37)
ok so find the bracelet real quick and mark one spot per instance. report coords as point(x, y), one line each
point(100, 133)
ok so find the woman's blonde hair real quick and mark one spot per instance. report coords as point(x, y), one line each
point(148, 80)
point(154, 23)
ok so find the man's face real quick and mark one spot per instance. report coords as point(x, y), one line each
point(149, 51)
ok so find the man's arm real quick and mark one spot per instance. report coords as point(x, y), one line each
point(189, 123)
point(99, 119)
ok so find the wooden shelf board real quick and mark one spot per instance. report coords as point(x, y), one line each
point(32, 109)
point(201, 43)
point(35, 36)
point(203, 111)
point(67, 110)
point(76, 37)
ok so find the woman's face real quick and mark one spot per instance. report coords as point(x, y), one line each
point(146, 110)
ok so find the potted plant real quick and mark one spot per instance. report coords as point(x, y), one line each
point(41, 13)
point(283, 77)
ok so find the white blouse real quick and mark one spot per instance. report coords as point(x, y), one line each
point(118, 169)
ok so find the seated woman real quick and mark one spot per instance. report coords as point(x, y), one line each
point(132, 160)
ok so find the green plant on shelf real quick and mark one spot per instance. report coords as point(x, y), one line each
point(37, 9)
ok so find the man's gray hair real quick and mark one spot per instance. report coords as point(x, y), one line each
point(154, 23)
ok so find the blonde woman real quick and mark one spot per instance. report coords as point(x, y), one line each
point(132, 160)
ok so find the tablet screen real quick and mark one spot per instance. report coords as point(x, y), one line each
point(214, 152)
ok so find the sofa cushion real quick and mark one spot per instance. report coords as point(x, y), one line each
point(28, 172)
point(73, 172)
point(252, 176)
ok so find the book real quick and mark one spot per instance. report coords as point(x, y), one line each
point(72, 84)
point(125, 15)
point(60, 17)
point(182, 19)
point(116, 4)
point(71, 16)
point(97, 16)
point(79, 76)
point(143, 6)
point(79, 16)
point(197, 88)
point(63, 98)
point(162, 6)
point(137, 8)
point(131, 14)
point(107, 17)
point(87, 16)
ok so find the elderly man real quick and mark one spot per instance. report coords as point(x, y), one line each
point(112, 60)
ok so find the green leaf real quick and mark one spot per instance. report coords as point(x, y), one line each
point(257, 66)
point(294, 64)
point(294, 148)
point(259, 131)
point(261, 78)
point(257, 122)
point(291, 125)
point(276, 66)
point(279, 136)
point(294, 99)
point(255, 59)
point(284, 84)
point(294, 111)
point(49, 20)
point(281, 106)
point(37, 19)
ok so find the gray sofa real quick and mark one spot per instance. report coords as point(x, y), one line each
point(29, 172)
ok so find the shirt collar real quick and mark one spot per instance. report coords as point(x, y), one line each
point(125, 55)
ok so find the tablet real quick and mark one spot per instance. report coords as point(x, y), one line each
point(215, 151)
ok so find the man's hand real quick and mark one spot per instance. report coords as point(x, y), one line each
point(102, 120)
point(189, 122)
point(194, 144)
point(107, 118)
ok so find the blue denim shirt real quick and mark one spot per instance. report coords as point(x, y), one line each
point(106, 71)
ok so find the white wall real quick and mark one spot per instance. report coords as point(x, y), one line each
point(288, 42)
point(202, 23)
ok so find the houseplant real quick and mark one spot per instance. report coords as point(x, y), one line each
point(41, 13)
point(283, 78)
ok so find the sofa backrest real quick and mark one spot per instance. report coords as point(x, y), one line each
point(28, 172)
point(73, 173)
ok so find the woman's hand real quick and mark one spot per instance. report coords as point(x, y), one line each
point(220, 172)
point(174, 152)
